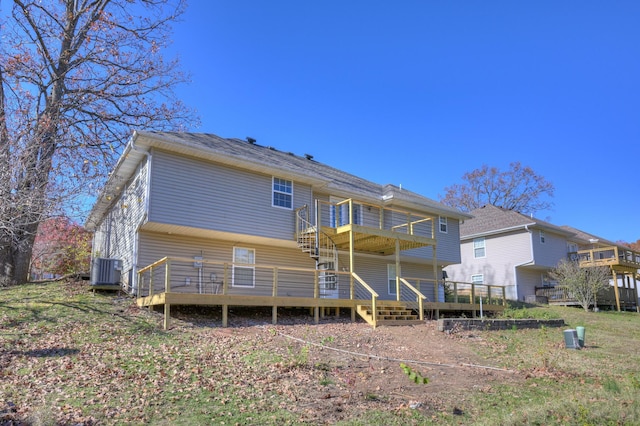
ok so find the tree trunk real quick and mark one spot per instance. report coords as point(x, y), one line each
point(15, 257)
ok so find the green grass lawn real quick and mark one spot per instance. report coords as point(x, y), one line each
point(69, 356)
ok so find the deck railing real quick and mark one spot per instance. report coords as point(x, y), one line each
point(412, 297)
point(606, 256)
point(188, 275)
point(356, 212)
point(605, 297)
point(362, 291)
point(464, 292)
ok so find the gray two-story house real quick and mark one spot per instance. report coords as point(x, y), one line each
point(504, 247)
point(203, 215)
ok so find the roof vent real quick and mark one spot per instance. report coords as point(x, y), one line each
point(251, 140)
point(308, 156)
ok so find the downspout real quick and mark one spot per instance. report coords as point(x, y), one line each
point(528, 262)
point(145, 215)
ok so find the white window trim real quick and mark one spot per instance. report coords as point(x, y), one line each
point(391, 269)
point(484, 247)
point(480, 281)
point(542, 237)
point(275, 191)
point(443, 221)
point(244, 266)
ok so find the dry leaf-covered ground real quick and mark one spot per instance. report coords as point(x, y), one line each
point(70, 357)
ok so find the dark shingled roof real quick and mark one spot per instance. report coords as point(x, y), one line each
point(490, 219)
point(585, 237)
point(265, 159)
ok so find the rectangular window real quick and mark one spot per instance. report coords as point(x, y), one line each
point(542, 237)
point(477, 279)
point(478, 247)
point(282, 193)
point(243, 274)
point(443, 224)
point(391, 276)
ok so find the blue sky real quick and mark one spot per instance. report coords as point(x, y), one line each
point(419, 92)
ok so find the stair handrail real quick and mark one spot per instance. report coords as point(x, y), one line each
point(421, 297)
point(303, 223)
point(374, 298)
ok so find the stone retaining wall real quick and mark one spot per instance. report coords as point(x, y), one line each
point(447, 324)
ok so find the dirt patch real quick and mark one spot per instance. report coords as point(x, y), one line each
point(345, 367)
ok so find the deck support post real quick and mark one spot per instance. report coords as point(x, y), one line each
point(398, 271)
point(274, 309)
point(351, 264)
point(225, 315)
point(615, 288)
point(435, 272)
point(635, 291)
point(316, 314)
point(167, 315)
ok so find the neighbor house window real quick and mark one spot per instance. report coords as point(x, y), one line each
point(244, 274)
point(443, 224)
point(478, 247)
point(391, 276)
point(542, 237)
point(477, 279)
point(282, 193)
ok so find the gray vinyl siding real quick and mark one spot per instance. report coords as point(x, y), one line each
point(502, 254)
point(191, 192)
point(155, 246)
point(447, 248)
point(115, 236)
point(528, 280)
point(373, 270)
point(551, 251)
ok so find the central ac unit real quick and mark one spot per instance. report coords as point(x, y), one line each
point(106, 271)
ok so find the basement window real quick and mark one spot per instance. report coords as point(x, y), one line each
point(282, 193)
point(477, 279)
point(244, 274)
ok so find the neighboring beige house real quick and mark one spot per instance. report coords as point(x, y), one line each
point(504, 247)
point(240, 216)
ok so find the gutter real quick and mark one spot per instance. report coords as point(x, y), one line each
point(498, 231)
point(145, 214)
point(528, 262)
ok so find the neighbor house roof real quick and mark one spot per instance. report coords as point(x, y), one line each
point(586, 238)
point(265, 159)
point(490, 220)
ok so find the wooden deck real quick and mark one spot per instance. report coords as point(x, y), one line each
point(621, 260)
point(606, 298)
point(319, 306)
point(163, 284)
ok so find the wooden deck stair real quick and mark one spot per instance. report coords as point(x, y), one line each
point(396, 314)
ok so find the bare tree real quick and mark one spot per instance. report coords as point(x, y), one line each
point(518, 188)
point(583, 284)
point(76, 76)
